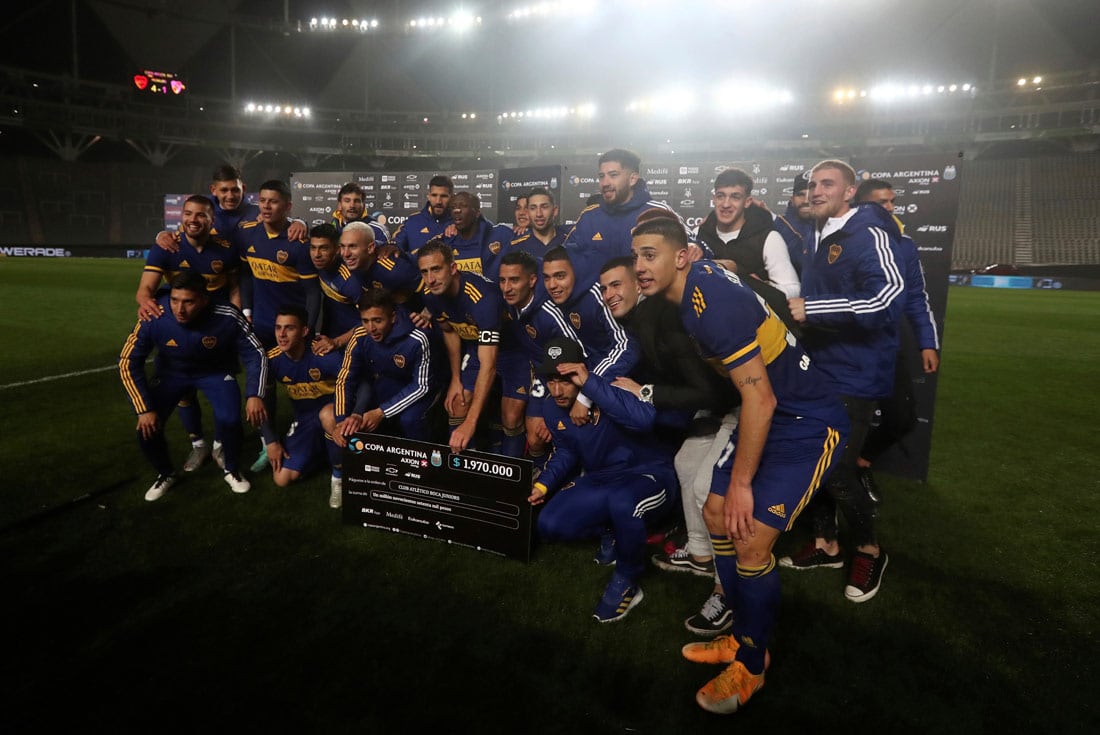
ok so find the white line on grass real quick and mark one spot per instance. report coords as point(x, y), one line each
point(48, 378)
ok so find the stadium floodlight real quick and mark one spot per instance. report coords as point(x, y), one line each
point(570, 8)
point(277, 110)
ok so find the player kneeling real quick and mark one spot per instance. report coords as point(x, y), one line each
point(310, 382)
point(628, 479)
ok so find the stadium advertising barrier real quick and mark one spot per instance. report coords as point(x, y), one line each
point(926, 189)
point(472, 499)
point(173, 208)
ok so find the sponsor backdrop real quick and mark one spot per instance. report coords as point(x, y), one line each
point(516, 182)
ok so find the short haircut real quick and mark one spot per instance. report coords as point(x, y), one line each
point(800, 184)
point(277, 185)
point(868, 187)
point(475, 200)
point(226, 172)
point(621, 261)
point(436, 245)
point(521, 198)
point(360, 226)
point(325, 231)
point(199, 199)
point(376, 297)
point(190, 281)
point(623, 157)
point(351, 188)
point(294, 310)
point(443, 181)
point(848, 172)
point(661, 222)
point(733, 177)
point(523, 259)
point(540, 191)
point(558, 252)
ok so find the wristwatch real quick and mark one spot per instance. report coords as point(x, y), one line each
point(646, 393)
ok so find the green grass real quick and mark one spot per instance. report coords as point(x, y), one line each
point(210, 611)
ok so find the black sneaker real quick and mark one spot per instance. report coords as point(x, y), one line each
point(865, 576)
point(811, 557)
point(867, 480)
point(681, 561)
point(714, 617)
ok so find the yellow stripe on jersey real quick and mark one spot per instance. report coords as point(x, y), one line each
point(832, 440)
point(265, 270)
point(128, 383)
point(772, 336)
point(274, 352)
point(333, 294)
point(473, 292)
point(741, 353)
point(698, 302)
point(387, 263)
point(306, 391)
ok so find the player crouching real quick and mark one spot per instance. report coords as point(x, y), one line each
point(628, 479)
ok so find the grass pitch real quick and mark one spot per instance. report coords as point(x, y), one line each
point(210, 611)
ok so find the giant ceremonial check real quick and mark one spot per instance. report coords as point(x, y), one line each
point(474, 499)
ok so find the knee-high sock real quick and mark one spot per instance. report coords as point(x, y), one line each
point(725, 566)
point(756, 608)
point(514, 441)
point(335, 455)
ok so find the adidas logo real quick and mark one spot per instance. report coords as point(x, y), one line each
point(424, 231)
point(778, 510)
point(597, 236)
point(286, 379)
point(171, 343)
point(561, 426)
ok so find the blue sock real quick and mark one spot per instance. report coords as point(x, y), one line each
point(725, 564)
point(755, 609)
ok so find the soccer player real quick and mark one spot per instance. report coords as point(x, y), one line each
point(341, 283)
point(602, 231)
point(797, 226)
point(897, 414)
point(429, 222)
point(542, 235)
point(198, 345)
point(476, 238)
point(606, 472)
point(217, 261)
point(310, 382)
point(696, 413)
point(853, 292)
point(227, 191)
point(521, 218)
point(386, 382)
point(279, 273)
point(351, 207)
point(528, 324)
point(468, 309)
point(608, 348)
point(789, 427)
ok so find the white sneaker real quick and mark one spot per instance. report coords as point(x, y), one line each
point(336, 497)
point(219, 455)
point(237, 483)
point(160, 487)
point(198, 455)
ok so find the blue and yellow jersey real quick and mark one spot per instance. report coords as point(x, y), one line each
point(474, 313)
point(278, 269)
point(381, 234)
point(399, 276)
point(310, 381)
point(731, 325)
point(398, 370)
point(341, 288)
point(527, 242)
point(226, 221)
point(609, 350)
point(471, 253)
point(215, 262)
point(215, 342)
